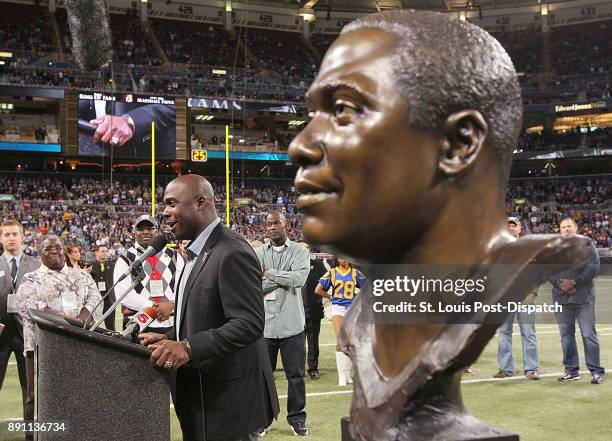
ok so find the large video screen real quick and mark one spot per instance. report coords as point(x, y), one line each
point(123, 123)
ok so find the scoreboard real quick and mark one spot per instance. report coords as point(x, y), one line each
point(198, 155)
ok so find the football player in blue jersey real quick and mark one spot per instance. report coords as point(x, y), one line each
point(343, 281)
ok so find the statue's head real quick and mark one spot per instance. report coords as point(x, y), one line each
point(411, 111)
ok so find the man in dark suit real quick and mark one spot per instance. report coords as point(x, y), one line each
point(102, 273)
point(227, 391)
point(13, 265)
point(313, 309)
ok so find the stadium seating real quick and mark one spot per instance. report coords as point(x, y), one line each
point(278, 65)
point(197, 43)
point(26, 28)
point(585, 49)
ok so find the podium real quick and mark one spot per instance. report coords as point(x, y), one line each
point(92, 386)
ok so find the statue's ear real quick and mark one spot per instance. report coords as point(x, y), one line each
point(464, 135)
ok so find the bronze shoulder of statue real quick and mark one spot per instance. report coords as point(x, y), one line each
point(422, 397)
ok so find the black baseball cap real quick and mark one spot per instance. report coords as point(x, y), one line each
point(146, 218)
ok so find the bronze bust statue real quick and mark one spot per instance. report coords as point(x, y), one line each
point(406, 161)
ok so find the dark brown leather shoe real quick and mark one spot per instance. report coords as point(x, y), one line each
point(502, 374)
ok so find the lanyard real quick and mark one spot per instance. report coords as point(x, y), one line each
point(155, 275)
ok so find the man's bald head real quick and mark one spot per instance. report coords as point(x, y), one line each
point(190, 206)
point(195, 184)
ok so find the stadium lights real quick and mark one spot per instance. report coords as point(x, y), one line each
point(307, 14)
point(543, 9)
point(6, 54)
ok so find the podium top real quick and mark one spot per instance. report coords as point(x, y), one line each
point(100, 337)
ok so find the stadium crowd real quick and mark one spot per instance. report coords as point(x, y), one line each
point(563, 191)
point(572, 139)
point(69, 206)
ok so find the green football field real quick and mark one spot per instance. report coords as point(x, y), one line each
point(543, 410)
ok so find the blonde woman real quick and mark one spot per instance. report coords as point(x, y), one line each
point(339, 285)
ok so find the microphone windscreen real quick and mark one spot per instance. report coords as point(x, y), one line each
point(152, 312)
point(91, 35)
point(158, 242)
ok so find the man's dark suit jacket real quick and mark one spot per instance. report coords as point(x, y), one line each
point(222, 317)
point(164, 117)
point(12, 337)
point(313, 303)
point(106, 277)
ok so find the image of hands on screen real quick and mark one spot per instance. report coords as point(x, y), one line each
point(112, 129)
point(125, 127)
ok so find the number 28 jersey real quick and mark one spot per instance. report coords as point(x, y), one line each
point(343, 284)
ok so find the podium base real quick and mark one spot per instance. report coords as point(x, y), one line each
point(97, 391)
point(346, 436)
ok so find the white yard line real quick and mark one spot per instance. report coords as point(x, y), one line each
point(604, 334)
point(516, 377)
point(480, 380)
point(350, 391)
point(517, 333)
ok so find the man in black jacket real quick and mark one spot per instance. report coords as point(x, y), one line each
point(227, 391)
point(575, 291)
point(102, 273)
point(313, 308)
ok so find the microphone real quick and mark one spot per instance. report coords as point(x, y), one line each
point(157, 244)
point(86, 126)
point(91, 35)
point(140, 321)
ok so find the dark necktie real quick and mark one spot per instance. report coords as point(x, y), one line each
point(190, 255)
point(14, 270)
